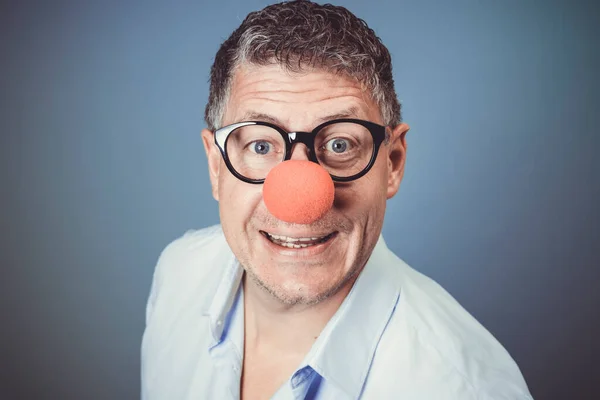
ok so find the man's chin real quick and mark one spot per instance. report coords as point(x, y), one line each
point(293, 290)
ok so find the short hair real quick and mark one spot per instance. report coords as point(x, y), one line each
point(299, 35)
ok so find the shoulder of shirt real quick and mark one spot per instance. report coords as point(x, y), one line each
point(440, 324)
point(194, 239)
point(192, 265)
point(190, 245)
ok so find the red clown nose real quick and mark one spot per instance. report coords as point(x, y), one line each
point(298, 191)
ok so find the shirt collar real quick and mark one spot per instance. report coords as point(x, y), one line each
point(344, 351)
point(222, 299)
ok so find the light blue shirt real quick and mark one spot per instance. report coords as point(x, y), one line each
point(397, 335)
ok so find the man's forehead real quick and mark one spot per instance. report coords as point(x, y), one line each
point(277, 76)
point(273, 94)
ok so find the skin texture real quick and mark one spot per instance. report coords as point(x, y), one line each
point(289, 297)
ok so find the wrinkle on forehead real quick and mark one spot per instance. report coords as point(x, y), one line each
point(299, 98)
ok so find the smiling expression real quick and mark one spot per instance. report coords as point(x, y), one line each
point(298, 263)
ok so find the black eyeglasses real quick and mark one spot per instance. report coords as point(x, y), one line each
point(346, 148)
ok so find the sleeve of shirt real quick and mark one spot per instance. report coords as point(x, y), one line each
point(146, 347)
point(161, 270)
point(156, 283)
point(156, 279)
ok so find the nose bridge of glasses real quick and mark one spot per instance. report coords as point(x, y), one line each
point(296, 139)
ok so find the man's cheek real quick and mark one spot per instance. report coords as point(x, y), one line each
point(354, 197)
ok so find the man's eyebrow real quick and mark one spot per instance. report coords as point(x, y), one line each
point(256, 116)
point(351, 112)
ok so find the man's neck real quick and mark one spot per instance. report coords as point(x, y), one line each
point(277, 337)
point(292, 329)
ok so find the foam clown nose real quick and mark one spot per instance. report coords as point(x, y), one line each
point(298, 191)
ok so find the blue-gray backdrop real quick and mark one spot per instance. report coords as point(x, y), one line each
point(101, 165)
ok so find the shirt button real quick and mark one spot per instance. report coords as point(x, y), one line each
point(235, 369)
point(219, 322)
point(296, 379)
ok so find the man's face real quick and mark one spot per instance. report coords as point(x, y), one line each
point(300, 102)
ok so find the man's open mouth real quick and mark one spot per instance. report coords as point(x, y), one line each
point(297, 242)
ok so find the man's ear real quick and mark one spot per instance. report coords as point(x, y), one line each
point(396, 158)
point(214, 160)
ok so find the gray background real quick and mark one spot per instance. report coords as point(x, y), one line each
point(101, 165)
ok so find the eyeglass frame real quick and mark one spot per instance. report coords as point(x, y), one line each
point(378, 132)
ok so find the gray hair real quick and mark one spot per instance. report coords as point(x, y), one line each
point(302, 34)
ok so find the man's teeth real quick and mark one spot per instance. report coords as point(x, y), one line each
point(296, 243)
point(291, 239)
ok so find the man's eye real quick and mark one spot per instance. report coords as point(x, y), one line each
point(337, 145)
point(260, 147)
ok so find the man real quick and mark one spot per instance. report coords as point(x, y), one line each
point(295, 295)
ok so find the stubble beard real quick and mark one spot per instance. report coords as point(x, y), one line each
point(288, 298)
